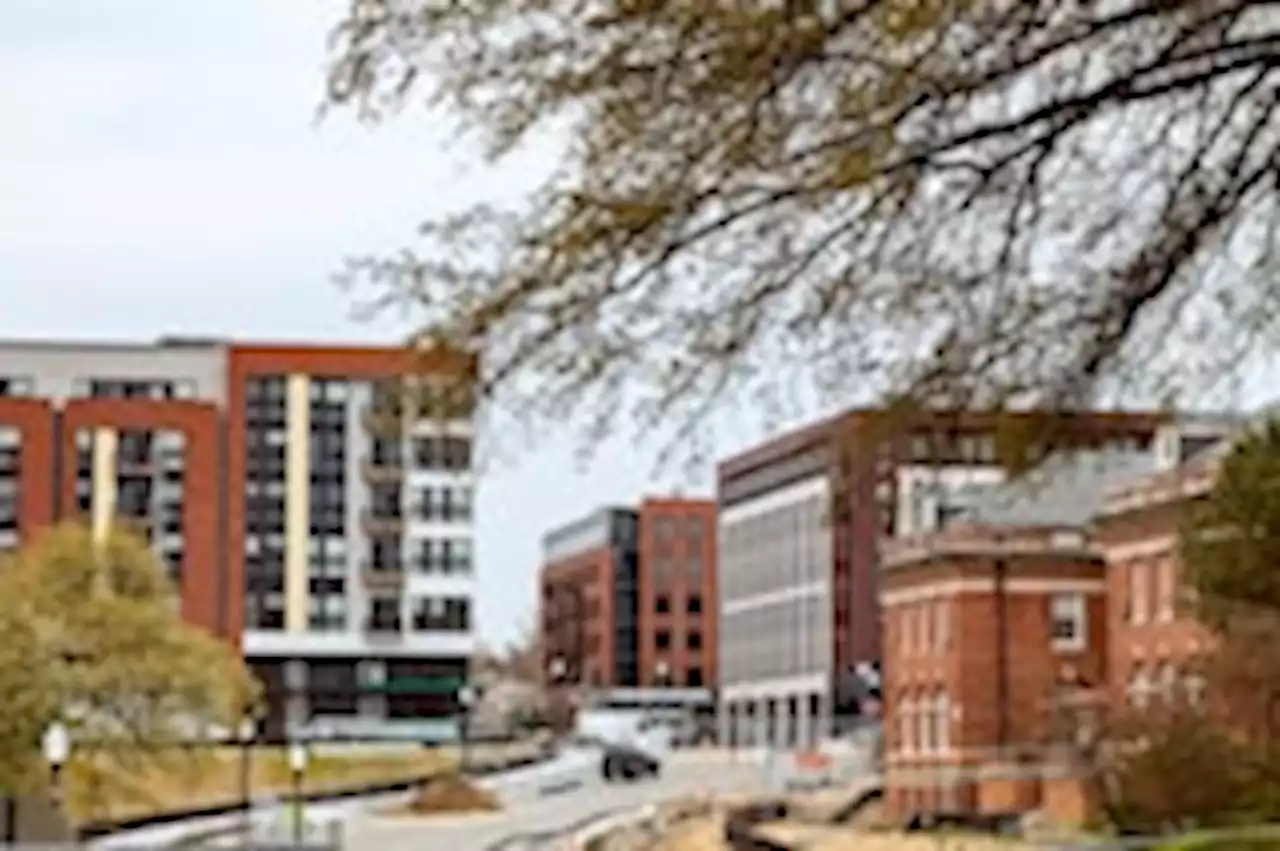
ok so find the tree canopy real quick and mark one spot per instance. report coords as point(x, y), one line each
point(91, 636)
point(983, 202)
point(1232, 536)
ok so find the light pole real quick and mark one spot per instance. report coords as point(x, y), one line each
point(56, 745)
point(557, 668)
point(297, 767)
point(247, 733)
point(466, 700)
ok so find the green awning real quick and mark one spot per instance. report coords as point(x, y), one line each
point(417, 685)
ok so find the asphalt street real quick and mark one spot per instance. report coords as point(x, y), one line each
point(528, 818)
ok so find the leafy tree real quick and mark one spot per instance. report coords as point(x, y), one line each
point(92, 637)
point(1232, 536)
point(1018, 200)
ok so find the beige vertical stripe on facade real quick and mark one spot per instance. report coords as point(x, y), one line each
point(297, 501)
point(103, 483)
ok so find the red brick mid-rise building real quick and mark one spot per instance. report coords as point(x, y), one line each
point(627, 596)
point(676, 613)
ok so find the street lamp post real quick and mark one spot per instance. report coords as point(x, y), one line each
point(297, 767)
point(247, 733)
point(556, 669)
point(56, 745)
point(466, 700)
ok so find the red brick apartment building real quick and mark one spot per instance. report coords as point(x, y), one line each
point(628, 596)
point(307, 509)
point(801, 519)
point(1043, 602)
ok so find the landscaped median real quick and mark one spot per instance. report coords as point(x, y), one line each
point(115, 790)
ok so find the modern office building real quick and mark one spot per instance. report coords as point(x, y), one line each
point(312, 504)
point(800, 526)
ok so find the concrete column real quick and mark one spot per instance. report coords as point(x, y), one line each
point(297, 503)
point(823, 719)
point(724, 724)
point(804, 736)
point(103, 482)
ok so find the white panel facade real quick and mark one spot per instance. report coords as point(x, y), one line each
point(775, 642)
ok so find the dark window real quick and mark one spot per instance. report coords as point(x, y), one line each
point(693, 678)
point(662, 639)
point(694, 605)
point(442, 453)
point(442, 614)
point(694, 640)
point(384, 613)
point(662, 604)
point(14, 386)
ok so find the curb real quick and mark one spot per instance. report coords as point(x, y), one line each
point(98, 830)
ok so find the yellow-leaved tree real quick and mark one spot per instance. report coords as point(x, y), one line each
point(92, 639)
point(972, 202)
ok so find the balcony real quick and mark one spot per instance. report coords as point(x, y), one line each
point(384, 628)
point(382, 470)
point(382, 575)
point(381, 419)
point(380, 525)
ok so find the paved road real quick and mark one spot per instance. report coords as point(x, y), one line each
point(529, 813)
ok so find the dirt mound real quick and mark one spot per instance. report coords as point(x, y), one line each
point(452, 793)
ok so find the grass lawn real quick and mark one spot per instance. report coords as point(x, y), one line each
point(115, 786)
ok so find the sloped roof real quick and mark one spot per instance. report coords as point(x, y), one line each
point(1067, 489)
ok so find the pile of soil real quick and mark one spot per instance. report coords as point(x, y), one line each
point(452, 793)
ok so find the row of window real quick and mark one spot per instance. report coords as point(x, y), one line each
point(1152, 590)
point(332, 613)
point(1164, 682)
point(924, 725)
point(692, 605)
point(692, 639)
point(24, 386)
point(925, 628)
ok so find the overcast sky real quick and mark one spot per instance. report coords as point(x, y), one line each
point(160, 172)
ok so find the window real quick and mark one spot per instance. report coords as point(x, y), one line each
point(1166, 590)
point(942, 626)
point(662, 604)
point(693, 678)
point(1139, 688)
point(907, 726)
point(694, 606)
point(1139, 593)
point(662, 639)
point(16, 386)
point(1067, 616)
point(694, 640)
point(942, 710)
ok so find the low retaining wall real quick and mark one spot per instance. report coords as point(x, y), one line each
point(97, 829)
